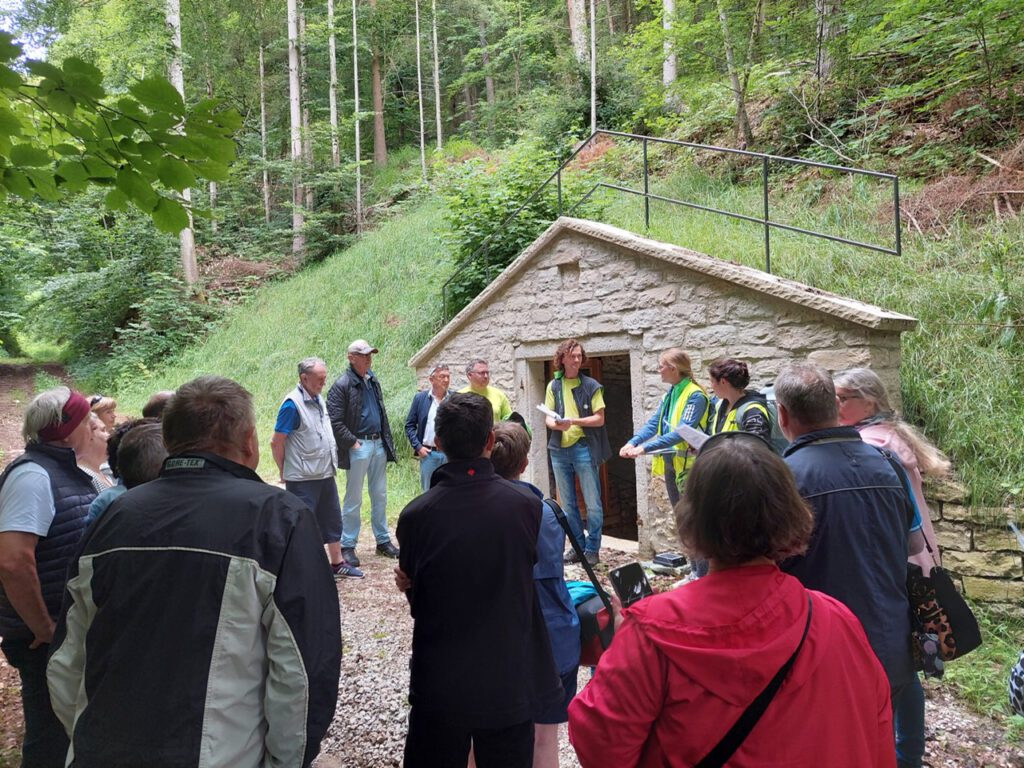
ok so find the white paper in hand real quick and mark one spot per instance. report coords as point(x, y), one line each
point(694, 437)
point(548, 412)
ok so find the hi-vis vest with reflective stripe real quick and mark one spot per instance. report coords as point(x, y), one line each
point(681, 460)
point(734, 418)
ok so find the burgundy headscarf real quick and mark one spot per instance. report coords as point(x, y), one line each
point(75, 409)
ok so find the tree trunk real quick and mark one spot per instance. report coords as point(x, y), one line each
point(263, 138)
point(628, 26)
point(186, 237)
point(608, 13)
point(437, 76)
point(486, 56)
point(578, 28)
point(593, 67)
point(307, 135)
point(743, 132)
point(332, 93)
point(419, 96)
point(355, 98)
point(295, 115)
point(380, 146)
point(213, 184)
point(668, 67)
point(828, 29)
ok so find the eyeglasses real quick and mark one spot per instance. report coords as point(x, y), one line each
point(722, 437)
point(853, 396)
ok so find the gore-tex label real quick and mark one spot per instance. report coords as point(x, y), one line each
point(185, 464)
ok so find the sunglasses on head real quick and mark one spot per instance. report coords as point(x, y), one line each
point(95, 399)
point(722, 437)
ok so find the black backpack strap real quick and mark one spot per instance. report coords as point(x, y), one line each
point(564, 522)
point(720, 755)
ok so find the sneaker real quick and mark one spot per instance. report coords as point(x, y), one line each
point(348, 554)
point(345, 571)
point(570, 556)
point(592, 558)
point(387, 549)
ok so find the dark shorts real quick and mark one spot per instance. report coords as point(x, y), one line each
point(560, 713)
point(321, 496)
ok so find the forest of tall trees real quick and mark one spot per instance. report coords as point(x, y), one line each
point(330, 98)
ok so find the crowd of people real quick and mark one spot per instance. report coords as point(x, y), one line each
point(123, 542)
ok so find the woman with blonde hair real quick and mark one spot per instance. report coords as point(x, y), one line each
point(864, 404)
point(686, 402)
point(104, 408)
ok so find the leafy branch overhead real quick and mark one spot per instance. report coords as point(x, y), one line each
point(60, 131)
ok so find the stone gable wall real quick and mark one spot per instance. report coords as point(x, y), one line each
point(618, 301)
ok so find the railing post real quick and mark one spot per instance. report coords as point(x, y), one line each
point(896, 206)
point(767, 227)
point(558, 181)
point(647, 199)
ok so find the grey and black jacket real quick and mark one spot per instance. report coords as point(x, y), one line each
point(200, 626)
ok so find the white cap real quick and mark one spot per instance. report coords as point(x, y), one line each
point(362, 347)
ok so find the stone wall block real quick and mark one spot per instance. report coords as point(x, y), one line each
point(838, 359)
point(663, 294)
point(994, 590)
point(953, 536)
point(956, 512)
point(994, 565)
point(945, 490)
point(993, 539)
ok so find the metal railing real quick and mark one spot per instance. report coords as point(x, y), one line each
point(483, 251)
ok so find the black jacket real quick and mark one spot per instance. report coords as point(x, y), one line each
point(344, 402)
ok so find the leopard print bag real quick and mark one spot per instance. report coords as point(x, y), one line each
point(938, 608)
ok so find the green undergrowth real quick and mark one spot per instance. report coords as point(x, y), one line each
point(962, 367)
point(981, 677)
point(385, 288)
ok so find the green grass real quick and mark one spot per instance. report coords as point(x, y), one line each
point(980, 678)
point(386, 289)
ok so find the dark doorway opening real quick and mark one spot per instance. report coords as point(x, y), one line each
point(618, 475)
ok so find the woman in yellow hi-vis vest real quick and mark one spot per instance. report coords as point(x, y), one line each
point(735, 408)
point(684, 403)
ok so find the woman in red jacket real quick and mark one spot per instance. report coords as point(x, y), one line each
point(686, 664)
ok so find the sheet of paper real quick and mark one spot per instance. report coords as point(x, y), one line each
point(694, 437)
point(548, 412)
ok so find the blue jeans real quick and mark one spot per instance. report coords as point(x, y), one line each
point(908, 718)
point(369, 461)
point(428, 464)
point(568, 464)
point(46, 743)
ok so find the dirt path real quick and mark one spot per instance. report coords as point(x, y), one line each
point(369, 727)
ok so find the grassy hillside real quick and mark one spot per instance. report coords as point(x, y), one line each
point(385, 289)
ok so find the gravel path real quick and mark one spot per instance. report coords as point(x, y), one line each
point(369, 727)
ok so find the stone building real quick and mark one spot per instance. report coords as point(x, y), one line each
point(627, 298)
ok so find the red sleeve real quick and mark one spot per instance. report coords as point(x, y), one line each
point(886, 737)
point(611, 719)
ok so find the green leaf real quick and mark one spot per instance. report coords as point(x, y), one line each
point(175, 174)
point(115, 200)
point(18, 183)
point(9, 50)
point(98, 169)
point(74, 174)
point(159, 95)
point(211, 170)
point(44, 69)
point(9, 79)
point(28, 155)
point(10, 125)
point(61, 101)
point(151, 151)
point(170, 216)
point(137, 189)
point(66, 149)
point(78, 66)
point(45, 184)
point(218, 150)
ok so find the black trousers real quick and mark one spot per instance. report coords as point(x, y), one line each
point(433, 744)
point(46, 743)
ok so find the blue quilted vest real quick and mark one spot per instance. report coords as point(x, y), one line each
point(72, 494)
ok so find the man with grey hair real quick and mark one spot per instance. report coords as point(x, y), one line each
point(419, 424)
point(307, 457)
point(44, 499)
point(865, 524)
point(200, 623)
point(478, 373)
